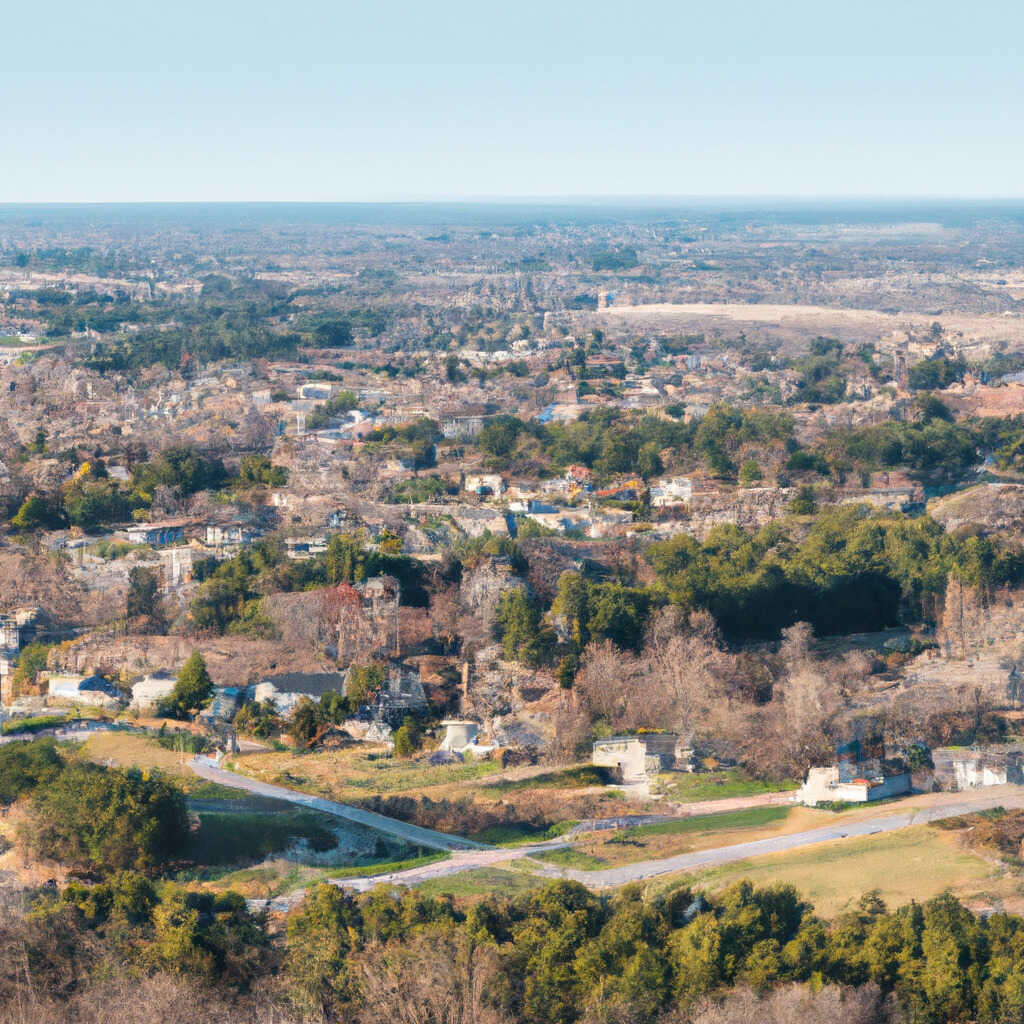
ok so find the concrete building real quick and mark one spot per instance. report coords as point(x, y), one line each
point(17, 628)
point(854, 783)
point(462, 428)
point(675, 491)
point(231, 537)
point(976, 769)
point(637, 759)
point(170, 531)
point(484, 484)
point(459, 734)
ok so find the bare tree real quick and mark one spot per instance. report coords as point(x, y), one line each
point(440, 976)
point(794, 1004)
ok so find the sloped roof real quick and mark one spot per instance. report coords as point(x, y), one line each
point(312, 684)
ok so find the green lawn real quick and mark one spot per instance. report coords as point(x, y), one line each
point(569, 858)
point(474, 885)
point(350, 775)
point(570, 778)
point(684, 787)
point(520, 833)
point(751, 817)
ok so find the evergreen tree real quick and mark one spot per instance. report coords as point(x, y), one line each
point(193, 689)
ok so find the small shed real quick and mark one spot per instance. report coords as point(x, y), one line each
point(459, 734)
point(636, 759)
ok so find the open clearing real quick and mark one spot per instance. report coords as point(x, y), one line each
point(913, 864)
point(666, 839)
point(815, 319)
point(357, 773)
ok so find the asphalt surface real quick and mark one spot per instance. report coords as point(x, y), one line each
point(469, 856)
point(780, 844)
point(413, 834)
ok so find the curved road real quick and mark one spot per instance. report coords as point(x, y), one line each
point(468, 855)
point(779, 844)
point(207, 768)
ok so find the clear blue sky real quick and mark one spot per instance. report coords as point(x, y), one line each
point(106, 100)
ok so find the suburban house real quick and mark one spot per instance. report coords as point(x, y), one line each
point(76, 689)
point(150, 691)
point(170, 531)
point(854, 782)
point(231, 537)
point(288, 688)
point(637, 759)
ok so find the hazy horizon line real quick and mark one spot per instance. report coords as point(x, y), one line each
point(580, 198)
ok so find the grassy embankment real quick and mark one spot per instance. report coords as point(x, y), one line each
point(250, 843)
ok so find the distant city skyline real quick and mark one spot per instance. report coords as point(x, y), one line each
point(320, 102)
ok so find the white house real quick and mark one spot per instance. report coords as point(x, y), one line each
point(288, 688)
point(674, 491)
point(854, 783)
point(93, 690)
point(150, 691)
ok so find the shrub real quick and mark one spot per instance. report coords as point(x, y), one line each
point(98, 820)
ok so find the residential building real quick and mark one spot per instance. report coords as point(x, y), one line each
point(76, 689)
point(854, 782)
point(150, 691)
point(288, 688)
point(170, 531)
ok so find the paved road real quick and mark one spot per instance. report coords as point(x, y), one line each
point(468, 856)
point(426, 837)
point(778, 844)
point(78, 730)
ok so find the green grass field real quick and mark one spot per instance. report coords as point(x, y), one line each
point(752, 817)
point(716, 785)
point(910, 864)
point(568, 858)
point(470, 886)
point(570, 778)
point(352, 775)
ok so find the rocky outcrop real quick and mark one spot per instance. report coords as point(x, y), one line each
point(483, 585)
point(991, 507)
